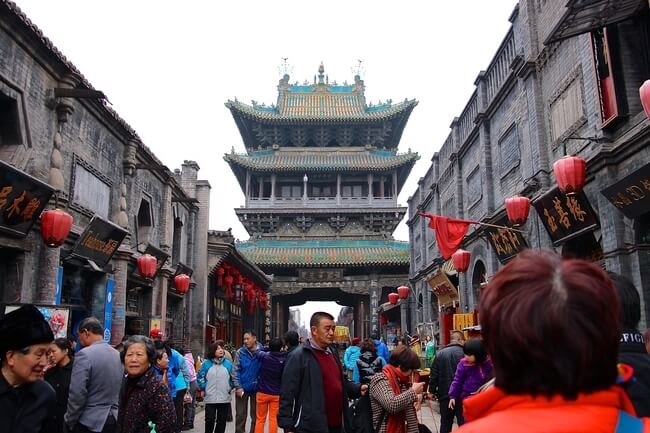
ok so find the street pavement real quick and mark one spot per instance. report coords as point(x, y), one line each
point(428, 415)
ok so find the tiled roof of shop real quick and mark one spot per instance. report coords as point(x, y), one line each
point(325, 161)
point(325, 253)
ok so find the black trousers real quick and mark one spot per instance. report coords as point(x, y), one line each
point(216, 413)
point(447, 415)
point(178, 405)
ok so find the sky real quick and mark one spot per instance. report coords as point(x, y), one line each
point(169, 67)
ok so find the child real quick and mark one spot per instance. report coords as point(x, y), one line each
point(473, 371)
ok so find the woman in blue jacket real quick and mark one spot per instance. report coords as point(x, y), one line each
point(214, 381)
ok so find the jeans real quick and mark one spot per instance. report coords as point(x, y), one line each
point(216, 412)
point(190, 408)
point(270, 404)
point(447, 415)
point(241, 407)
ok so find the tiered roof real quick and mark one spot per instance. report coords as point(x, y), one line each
point(331, 160)
point(326, 253)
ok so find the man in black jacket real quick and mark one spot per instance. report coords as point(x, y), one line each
point(632, 349)
point(313, 395)
point(442, 374)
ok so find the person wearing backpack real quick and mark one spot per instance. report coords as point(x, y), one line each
point(551, 326)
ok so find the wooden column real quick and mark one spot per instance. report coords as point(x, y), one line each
point(338, 188)
point(369, 188)
point(273, 178)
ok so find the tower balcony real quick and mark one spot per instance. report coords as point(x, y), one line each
point(320, 202)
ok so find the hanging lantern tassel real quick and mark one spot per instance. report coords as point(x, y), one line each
point(570, 173)
point(517, 208)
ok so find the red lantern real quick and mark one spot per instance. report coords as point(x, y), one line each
point(461, 259)
point(517, 208)
point(220, 272)
point(644, 92)
point(228, 286)
point(570, 173)
point(403, 292)
point(182, 283)
point(383, 320)
point(392, 298)
point(147, 265)
point(55, 227)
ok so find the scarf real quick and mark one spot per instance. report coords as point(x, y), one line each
point(396, 422)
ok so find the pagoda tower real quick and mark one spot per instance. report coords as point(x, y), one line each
point(321, 175)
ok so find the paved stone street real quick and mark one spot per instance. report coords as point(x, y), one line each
point(428, 415)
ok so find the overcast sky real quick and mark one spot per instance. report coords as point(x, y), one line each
point(169, 67)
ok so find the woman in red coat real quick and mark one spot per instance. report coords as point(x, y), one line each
point(551, 327)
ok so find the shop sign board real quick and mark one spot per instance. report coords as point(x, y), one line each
point(565, 216)
point(631, 195)
point(108, 309)
point(506, 243)
point(99, 241)
point(22, 199)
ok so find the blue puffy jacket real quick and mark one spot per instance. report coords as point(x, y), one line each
point(246, 369)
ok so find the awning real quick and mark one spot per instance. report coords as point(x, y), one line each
point(444, 290)
point(583, 16)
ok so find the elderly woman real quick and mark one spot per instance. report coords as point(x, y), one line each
point(551, 327)
point(393, 397)
point(144, 398)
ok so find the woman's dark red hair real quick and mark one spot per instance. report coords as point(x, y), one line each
point(551, 326)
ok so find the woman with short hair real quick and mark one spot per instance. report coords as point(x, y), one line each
point(551, 326)
point(368, 362)
point(214, 380)
point(61, 356)
point(144, 399)
point(393, 396)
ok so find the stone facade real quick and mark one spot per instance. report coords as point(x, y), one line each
point(99, 167)
point(533, 104)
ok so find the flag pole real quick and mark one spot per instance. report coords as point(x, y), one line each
point(479, 223)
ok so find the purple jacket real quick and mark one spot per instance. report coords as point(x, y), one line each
point(469, 378)
point(272, 365)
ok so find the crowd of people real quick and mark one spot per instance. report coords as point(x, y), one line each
point(560, 351)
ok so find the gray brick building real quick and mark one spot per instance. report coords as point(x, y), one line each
point(100, 169)
point(556, 85)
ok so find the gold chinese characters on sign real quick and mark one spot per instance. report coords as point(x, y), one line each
point(565, 216)
point(632, 194)
point(506, 243)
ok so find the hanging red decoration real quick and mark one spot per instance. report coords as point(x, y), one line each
point(55, 227)
point(227, 284)
point(517, 208)
point(147, 265)
point(250, 300)
point(403, 292)
point(383, 320)
point(220, 272)
point(570, 173)
point(644, 92)
point(239, 279)
point(393, 298)
point(182, 283)
point(461, 259)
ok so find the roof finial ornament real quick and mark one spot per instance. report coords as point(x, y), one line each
point(321, 73)
point(358, 70)
point(285, 69)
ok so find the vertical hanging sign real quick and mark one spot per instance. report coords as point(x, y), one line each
point(59, 285)
point(108, 309)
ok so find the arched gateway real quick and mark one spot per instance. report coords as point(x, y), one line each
point(321, 175)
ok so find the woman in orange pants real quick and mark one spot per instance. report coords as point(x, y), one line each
point(268, 385)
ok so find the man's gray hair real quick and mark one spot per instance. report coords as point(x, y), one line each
point(92, 325)
point(148, 344)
